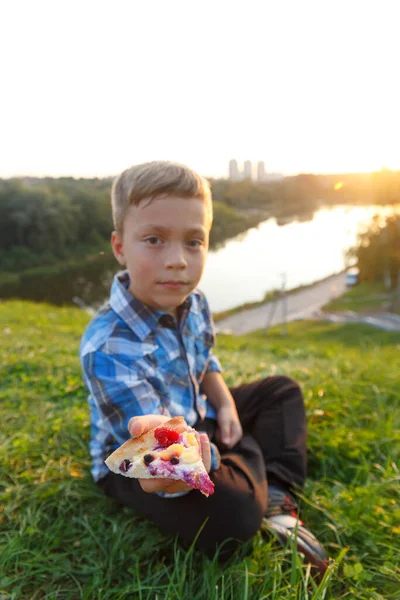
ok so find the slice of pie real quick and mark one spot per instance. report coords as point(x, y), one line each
point(168, 451)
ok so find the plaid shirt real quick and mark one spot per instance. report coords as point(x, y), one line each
point(136, 360)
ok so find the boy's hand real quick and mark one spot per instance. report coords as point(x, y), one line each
point(139, 425)
point(229, 428)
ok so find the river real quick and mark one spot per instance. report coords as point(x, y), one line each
point(299, 252)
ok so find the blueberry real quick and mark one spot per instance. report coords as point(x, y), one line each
point(124, 466)
point(174, 460)
point(147, 459)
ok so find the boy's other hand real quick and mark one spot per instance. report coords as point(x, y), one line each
point(229, 428)
point(139, 425)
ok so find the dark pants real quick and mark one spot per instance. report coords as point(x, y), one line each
point(273, 448)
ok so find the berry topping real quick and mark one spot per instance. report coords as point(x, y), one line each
point(124, 466)
point(207, 486)
point(172, 450)
point(174, 460)
point(147, 459)
point(166, 436)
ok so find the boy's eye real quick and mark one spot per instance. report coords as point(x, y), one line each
point(194, 243)
point(153, 240)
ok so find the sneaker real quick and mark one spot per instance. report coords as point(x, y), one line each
point(282, 521)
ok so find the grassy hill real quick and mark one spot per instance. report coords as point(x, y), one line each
point(365, 297)
point(61, 539)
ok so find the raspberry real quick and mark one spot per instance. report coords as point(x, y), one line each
point(166, 436)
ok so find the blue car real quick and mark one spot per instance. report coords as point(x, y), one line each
point(351, 277)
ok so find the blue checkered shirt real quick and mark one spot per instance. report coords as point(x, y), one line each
point(137, 360)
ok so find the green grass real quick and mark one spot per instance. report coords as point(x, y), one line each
point(61, 539)
point(362, 298)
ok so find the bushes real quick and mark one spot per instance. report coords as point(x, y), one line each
point(88, 279)
point(378, 251)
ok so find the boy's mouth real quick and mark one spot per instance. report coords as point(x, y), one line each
point(173, 284)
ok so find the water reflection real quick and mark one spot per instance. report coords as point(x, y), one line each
point(305, 251)
point(89, 281)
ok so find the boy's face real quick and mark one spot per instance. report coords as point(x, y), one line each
point(164, 247)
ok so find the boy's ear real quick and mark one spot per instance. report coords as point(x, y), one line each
point(118, 247)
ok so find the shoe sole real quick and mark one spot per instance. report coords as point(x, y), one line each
point(312, 555)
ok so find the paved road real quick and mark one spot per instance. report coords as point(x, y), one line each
point(300, 305)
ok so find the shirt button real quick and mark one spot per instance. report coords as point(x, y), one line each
point(167, 321)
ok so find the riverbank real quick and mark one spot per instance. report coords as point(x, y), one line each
point(272, 296)
point(366, 298)
point(328, 299)
point(300, 304)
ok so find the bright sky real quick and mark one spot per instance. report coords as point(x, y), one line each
point(90, 87)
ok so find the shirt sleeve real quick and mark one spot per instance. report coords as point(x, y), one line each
point(213, 363)
point(118, 393)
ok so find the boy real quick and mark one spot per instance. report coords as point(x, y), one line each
point(147, 356)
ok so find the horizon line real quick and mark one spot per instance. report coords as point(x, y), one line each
point(284, 174)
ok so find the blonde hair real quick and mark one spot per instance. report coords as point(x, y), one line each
point(152, 179)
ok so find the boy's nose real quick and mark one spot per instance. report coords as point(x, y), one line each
point(175, 258)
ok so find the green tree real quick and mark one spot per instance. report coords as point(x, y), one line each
point(378, 251)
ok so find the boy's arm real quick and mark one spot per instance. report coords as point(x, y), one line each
point(218, 394)
point(118, 393)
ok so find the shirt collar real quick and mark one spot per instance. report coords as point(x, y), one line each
point(140, 317)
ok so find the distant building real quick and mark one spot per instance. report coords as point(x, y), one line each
point(247, 170)
point(260, 170)
point(234, 174)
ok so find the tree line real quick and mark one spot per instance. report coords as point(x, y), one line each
point(377, 252)
point(45, 221)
